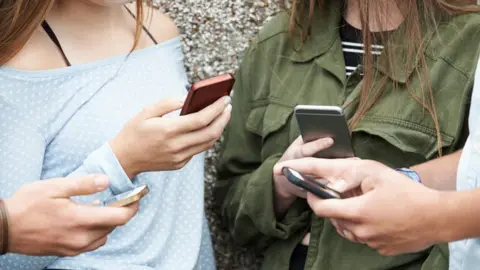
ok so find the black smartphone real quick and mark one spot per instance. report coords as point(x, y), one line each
point(316, 122)
point(310, 184)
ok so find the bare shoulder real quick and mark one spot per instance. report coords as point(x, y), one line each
point(162, 27)
point(158, 24)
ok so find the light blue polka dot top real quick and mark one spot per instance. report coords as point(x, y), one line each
point(58, 122)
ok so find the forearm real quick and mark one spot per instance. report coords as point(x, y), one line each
point(104, 161)
point(440, 173)
point(459, 216)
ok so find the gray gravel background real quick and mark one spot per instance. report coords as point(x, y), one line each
point(215, 34)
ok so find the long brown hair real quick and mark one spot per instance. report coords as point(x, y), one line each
point(20, 18)
point(418, 15)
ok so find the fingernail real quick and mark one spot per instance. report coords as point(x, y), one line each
point(229, 108)
point(101, 182)
point(329, 141)
point(348, 235)
point(227, 100)
point(340, 185)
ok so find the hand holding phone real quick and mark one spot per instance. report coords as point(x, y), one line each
point(311, 185)
point(150, 142)
point(316, 122)
point(126, 198)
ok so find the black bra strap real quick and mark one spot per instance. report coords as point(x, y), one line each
point(143, 26)
point(55, 40)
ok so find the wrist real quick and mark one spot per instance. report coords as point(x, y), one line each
point(432, 227)
point(281, 192)
point(444, 208)
point(457, 216)
point(125, 159)
point(283, 199)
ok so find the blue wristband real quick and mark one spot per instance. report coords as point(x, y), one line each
point(411, 174)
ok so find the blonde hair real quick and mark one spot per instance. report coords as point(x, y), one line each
point(20, 18)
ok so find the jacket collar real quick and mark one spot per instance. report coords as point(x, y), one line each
point(324, 33)
point(325, 38)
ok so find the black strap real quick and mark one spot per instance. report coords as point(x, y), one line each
point(143, 26)
point(55, 40)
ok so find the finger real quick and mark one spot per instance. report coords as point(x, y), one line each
point(348, 231)
point(98, 243)
point(318, 168)
point(208, 134)
point(391, 251)
point(340, 232)
point(336, 224)
point(342, 186)
point(347, 209)
point(383, 176)
point(294, 145)
point(191, 151)
point(311, 148)
point(75, 186)
point(367, 175)
point(103, 217)
point(205, 117)
point(194, 150)
point(161, 108)
point(352, 178)
point(355, 228)
point(298, 142)
point(337, 227)
point(350, 236)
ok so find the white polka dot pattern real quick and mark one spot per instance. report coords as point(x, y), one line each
point(58, 122)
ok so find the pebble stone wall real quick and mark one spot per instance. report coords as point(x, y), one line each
point(215, 34)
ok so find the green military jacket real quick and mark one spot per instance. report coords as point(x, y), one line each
point(397, 131)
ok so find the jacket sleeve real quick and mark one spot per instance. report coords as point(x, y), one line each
point(244, 190)
point(22, 150)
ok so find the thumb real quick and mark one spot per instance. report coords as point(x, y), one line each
point(340, 185)
point(333, 208)
point(78, 186)
point(161, 108)
point(369, 184)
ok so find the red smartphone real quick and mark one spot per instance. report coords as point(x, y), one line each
point(206, 92)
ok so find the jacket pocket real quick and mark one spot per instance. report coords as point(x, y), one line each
point(266, 119)
point(404, 135)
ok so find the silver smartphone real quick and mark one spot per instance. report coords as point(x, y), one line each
point(316, 122)
point(126, 198)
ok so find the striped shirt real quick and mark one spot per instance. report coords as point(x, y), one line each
point(353, 48)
